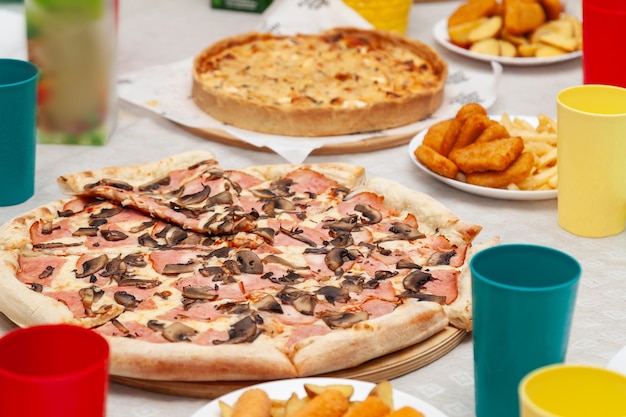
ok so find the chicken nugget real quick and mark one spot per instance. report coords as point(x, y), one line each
point(474, 125)
point(468, 109)
point(553, 8)
point(493, 132)
point(451, 134)
point(434, 135)
point(473, 10)
point(436, 162)
point(518, 171)
point(495, 155)
point(523, 16)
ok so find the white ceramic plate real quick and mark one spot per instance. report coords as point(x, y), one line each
point(440, 31)
point(498, 193)
point(618, 363)
point(283, 389)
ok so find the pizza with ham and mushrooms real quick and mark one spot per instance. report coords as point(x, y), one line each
point(196, 272)
point(342, 81)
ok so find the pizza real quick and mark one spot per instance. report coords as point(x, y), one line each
point(199, 273)
point(342, 81)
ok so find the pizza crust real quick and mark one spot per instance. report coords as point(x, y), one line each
point(408, 324)
point(323, 119)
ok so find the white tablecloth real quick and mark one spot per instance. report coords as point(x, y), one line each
point(156, 32)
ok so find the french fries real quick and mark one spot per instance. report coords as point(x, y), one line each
point(510, 153)
point(333, 400)
point(515, 28)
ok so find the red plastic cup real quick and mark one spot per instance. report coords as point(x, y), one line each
point(604, 31)
point(53, 371)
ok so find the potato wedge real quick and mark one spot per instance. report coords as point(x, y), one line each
point(459, 34)
point(486, 47)
point(489, 29)
point(507, 48)
point(384, 391)
point(547, 51)
point(313, 390)
point(566, 43)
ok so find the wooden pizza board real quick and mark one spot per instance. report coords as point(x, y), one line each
point(374, 143)
point(384, 368)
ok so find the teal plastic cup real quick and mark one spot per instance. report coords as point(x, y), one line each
point(523, 299)
point(18, 130)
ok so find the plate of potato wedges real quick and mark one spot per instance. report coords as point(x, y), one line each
point(497, 156)
point(512, 32)
point(316, 397)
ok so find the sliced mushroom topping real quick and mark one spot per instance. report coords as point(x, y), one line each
point(47, 272)
point(119, 326)
point(305, 304)
point(125, 299)
point(135, 259)
point(178, 332)
point(107, 212)
point(416, 280)
point(269, 303)
point(223, 197)
point(121, 185)
point(406, 264)
point(335, 258)
point(175, 235)
point(249, 262)
point(347, 224)
point(35, 286)
point(231, 266)
point(383, 275)
point(353, 283)
point(200, 292)
point(156, 184)
point(144, 284)
point(175, 269)
point(288, 294)
point(403, 231)
point(209, 271)
point(342, 239)
point(155, 325)
point(440, 299)
point(92, 266)
point(195, 198)
point(440, 258)
point(372, 215)
point(234, 308)
point(115, 268)
point(244, 331)
point(46, 228)
point(147, 241)
point(222, 252)
point(341, 192)
point(334, 294)
point(90, 295)
point(275, 259)
point(343, 320)
point(55, 245)
point(97, 222)
point(264, 193)
point(296, 233)
point(113, 235)
point(143, 226)
point(66, 213)
point(86, 231)
point(266, 233)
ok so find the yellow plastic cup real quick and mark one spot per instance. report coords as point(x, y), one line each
point(568, 390)
point(591, 146)
point(392, 15)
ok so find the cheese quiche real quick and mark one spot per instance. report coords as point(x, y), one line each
point(342, 81)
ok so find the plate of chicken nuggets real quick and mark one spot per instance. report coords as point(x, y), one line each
point(307, 397)
point(512, 32)
point(497, 156)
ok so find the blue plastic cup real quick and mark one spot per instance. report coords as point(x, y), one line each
point(523, 299)
point(18, 130)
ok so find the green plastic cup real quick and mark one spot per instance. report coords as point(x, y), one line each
point(523, 299)
point(18, 130)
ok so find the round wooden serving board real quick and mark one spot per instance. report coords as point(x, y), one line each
point(377, 370)
point(373, 143)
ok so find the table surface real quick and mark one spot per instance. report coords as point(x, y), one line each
point(162, 31)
